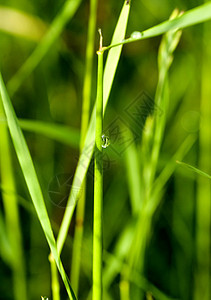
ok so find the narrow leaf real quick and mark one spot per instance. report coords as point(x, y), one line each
point(57, 132)
point(192, 168)
point(31, 179)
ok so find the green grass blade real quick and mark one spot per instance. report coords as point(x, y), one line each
point(165, 57)
point(166, 173)
point(58, 24)
point(114, 54)
point(194, 16)
point(31, 179)
point(54, 279)
point(134, 176)
point(57, 132)
point(5, 249)
point(85, 157)
point(12, 219)
point(202, 287)
point(194, 169)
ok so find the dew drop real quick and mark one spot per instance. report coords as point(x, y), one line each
point(136, 35)
point(105, 141)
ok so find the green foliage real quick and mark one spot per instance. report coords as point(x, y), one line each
point(142, 222)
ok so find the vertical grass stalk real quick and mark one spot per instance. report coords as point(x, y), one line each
point(98, 184)
point(78, 236)
point(55, 287)
point(203, 203)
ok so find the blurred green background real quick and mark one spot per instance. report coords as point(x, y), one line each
point(53, 93)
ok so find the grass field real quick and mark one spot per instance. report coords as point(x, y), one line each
point(105, 150)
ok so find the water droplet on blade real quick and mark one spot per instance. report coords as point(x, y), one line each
point(105, 141)
point(136, 35)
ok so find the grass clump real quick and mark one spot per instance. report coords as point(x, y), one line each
point(128, 237)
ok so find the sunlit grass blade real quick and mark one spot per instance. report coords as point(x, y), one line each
point(85, 157)
point(61, 133)
point(114, 54)
point(58, 24)
point(194, 16)
point(21, 24)
point(194, 169)
point(32, 182)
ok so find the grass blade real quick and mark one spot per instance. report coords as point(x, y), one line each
point(32, 182)
point(12, 218)
point(61, 133)
point(194, 16)
point(194, 169)
point(58, 24)
point(202, 287)
point(85, 157)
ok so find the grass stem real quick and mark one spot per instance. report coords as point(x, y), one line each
point(98, 185)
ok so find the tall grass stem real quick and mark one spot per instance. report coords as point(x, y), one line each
point(98, 187)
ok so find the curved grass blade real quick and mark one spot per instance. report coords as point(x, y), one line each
point(85, 157)
point(194, 169)
point(194, 16)
point(58, 24)
point(32, 182)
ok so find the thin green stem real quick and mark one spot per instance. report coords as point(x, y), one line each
point(80, 210)
point(54, 279)
point(192, 168)
point(98, 187)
